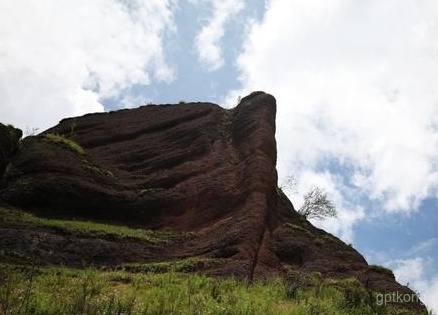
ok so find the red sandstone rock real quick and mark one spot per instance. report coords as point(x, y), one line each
point(192, 167)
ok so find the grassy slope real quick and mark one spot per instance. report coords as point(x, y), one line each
point(164, 287)
point(15, 218)
point(67, 291)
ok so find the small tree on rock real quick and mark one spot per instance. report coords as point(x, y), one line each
point(317, 205)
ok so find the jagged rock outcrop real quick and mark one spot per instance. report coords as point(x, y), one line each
point(192, 167)
point(9, 137)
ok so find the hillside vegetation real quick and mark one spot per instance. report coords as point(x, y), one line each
point(171, 288)
point(90, 291)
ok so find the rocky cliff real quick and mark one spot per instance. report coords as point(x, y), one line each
point(193, 168)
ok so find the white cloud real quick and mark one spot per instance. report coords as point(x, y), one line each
point(355, 83)
point(347, 213)
point(424, 247)
point(412, 272)
point(61, 58)
point(208, 40)
point(133, 101)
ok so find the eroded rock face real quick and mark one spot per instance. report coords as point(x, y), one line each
point(192, 167)
point(9, 137)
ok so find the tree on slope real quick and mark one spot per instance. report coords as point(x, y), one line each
point(317, 205)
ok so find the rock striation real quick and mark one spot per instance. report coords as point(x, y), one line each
point(192, 167)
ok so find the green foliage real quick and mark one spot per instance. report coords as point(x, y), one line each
point(297, 228)
point(20, 218)
point(94, 168)
point(150, 191)
point(67, 143)
point(191, 264)
point(85, 292)
point(323, 239)
point(89, 165)
point(355, 294)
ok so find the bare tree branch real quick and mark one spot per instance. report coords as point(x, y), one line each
point(317, 205)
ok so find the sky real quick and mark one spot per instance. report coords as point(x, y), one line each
point(355, 83)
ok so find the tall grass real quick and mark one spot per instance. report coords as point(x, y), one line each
point(91, 292)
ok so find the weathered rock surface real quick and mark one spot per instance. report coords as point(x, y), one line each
point(192, 167)
point(9, 137)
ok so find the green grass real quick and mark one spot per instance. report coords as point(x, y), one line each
point(148, 191)
point(297, 228)
point(10, 217)
point(90, 292)
point(67, 143)
point(96, 169)
point(168, 288)
point(191, 264)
